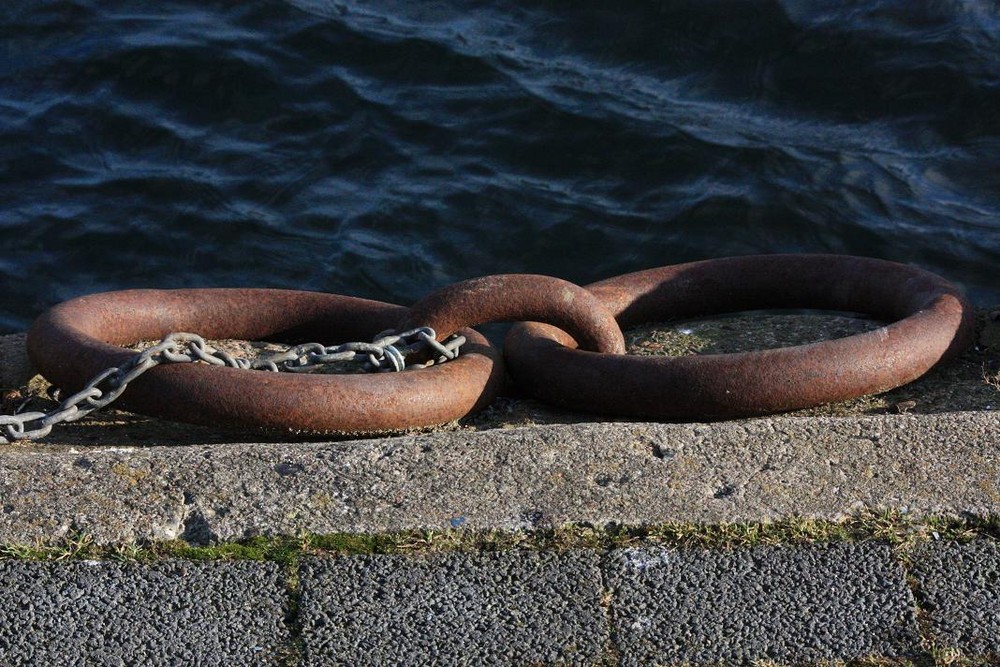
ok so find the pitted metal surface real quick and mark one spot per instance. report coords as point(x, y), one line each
point(929, 322)
point(74, 341)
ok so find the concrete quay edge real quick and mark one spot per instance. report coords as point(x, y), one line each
point(630, 473)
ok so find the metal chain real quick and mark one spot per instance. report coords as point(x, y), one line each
point(387, 352)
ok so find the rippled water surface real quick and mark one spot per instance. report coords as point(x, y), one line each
point(383, 149)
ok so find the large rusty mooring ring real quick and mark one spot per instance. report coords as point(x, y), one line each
point(929, 320)
point(75, 340)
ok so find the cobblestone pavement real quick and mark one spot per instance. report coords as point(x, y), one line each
point(636, 606)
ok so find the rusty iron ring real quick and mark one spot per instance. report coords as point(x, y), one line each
point(930, 323)
point(73, 341)
point(512, 297)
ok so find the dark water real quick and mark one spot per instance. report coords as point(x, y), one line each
point(386, 148)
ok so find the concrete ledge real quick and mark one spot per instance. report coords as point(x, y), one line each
point(530, 477)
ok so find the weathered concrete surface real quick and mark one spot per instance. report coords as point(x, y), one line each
point(632, 473)
point(788, 604)
point(170, 613)
point(959, 587)
point(512, 608)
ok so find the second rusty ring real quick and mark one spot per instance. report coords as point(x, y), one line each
point(929, 320)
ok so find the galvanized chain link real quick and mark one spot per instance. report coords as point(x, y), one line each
point(387, 352)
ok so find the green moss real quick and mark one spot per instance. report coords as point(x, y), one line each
point(351, 543)
point(285, 550)
point(74, 547)
point(964, 529)
point(889, 527)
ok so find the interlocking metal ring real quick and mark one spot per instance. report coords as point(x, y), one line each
point(508, 297)
point(929, 319)
point(75, 340)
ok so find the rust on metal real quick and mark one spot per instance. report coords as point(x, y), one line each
point(73, 341)
point(929, 322)
point(520, 297)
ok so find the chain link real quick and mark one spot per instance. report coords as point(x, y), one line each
point(387, 353)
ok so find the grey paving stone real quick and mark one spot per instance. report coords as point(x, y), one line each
point(171, 613)
point(510, 608)
point(789, 604)
point(959, 587)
